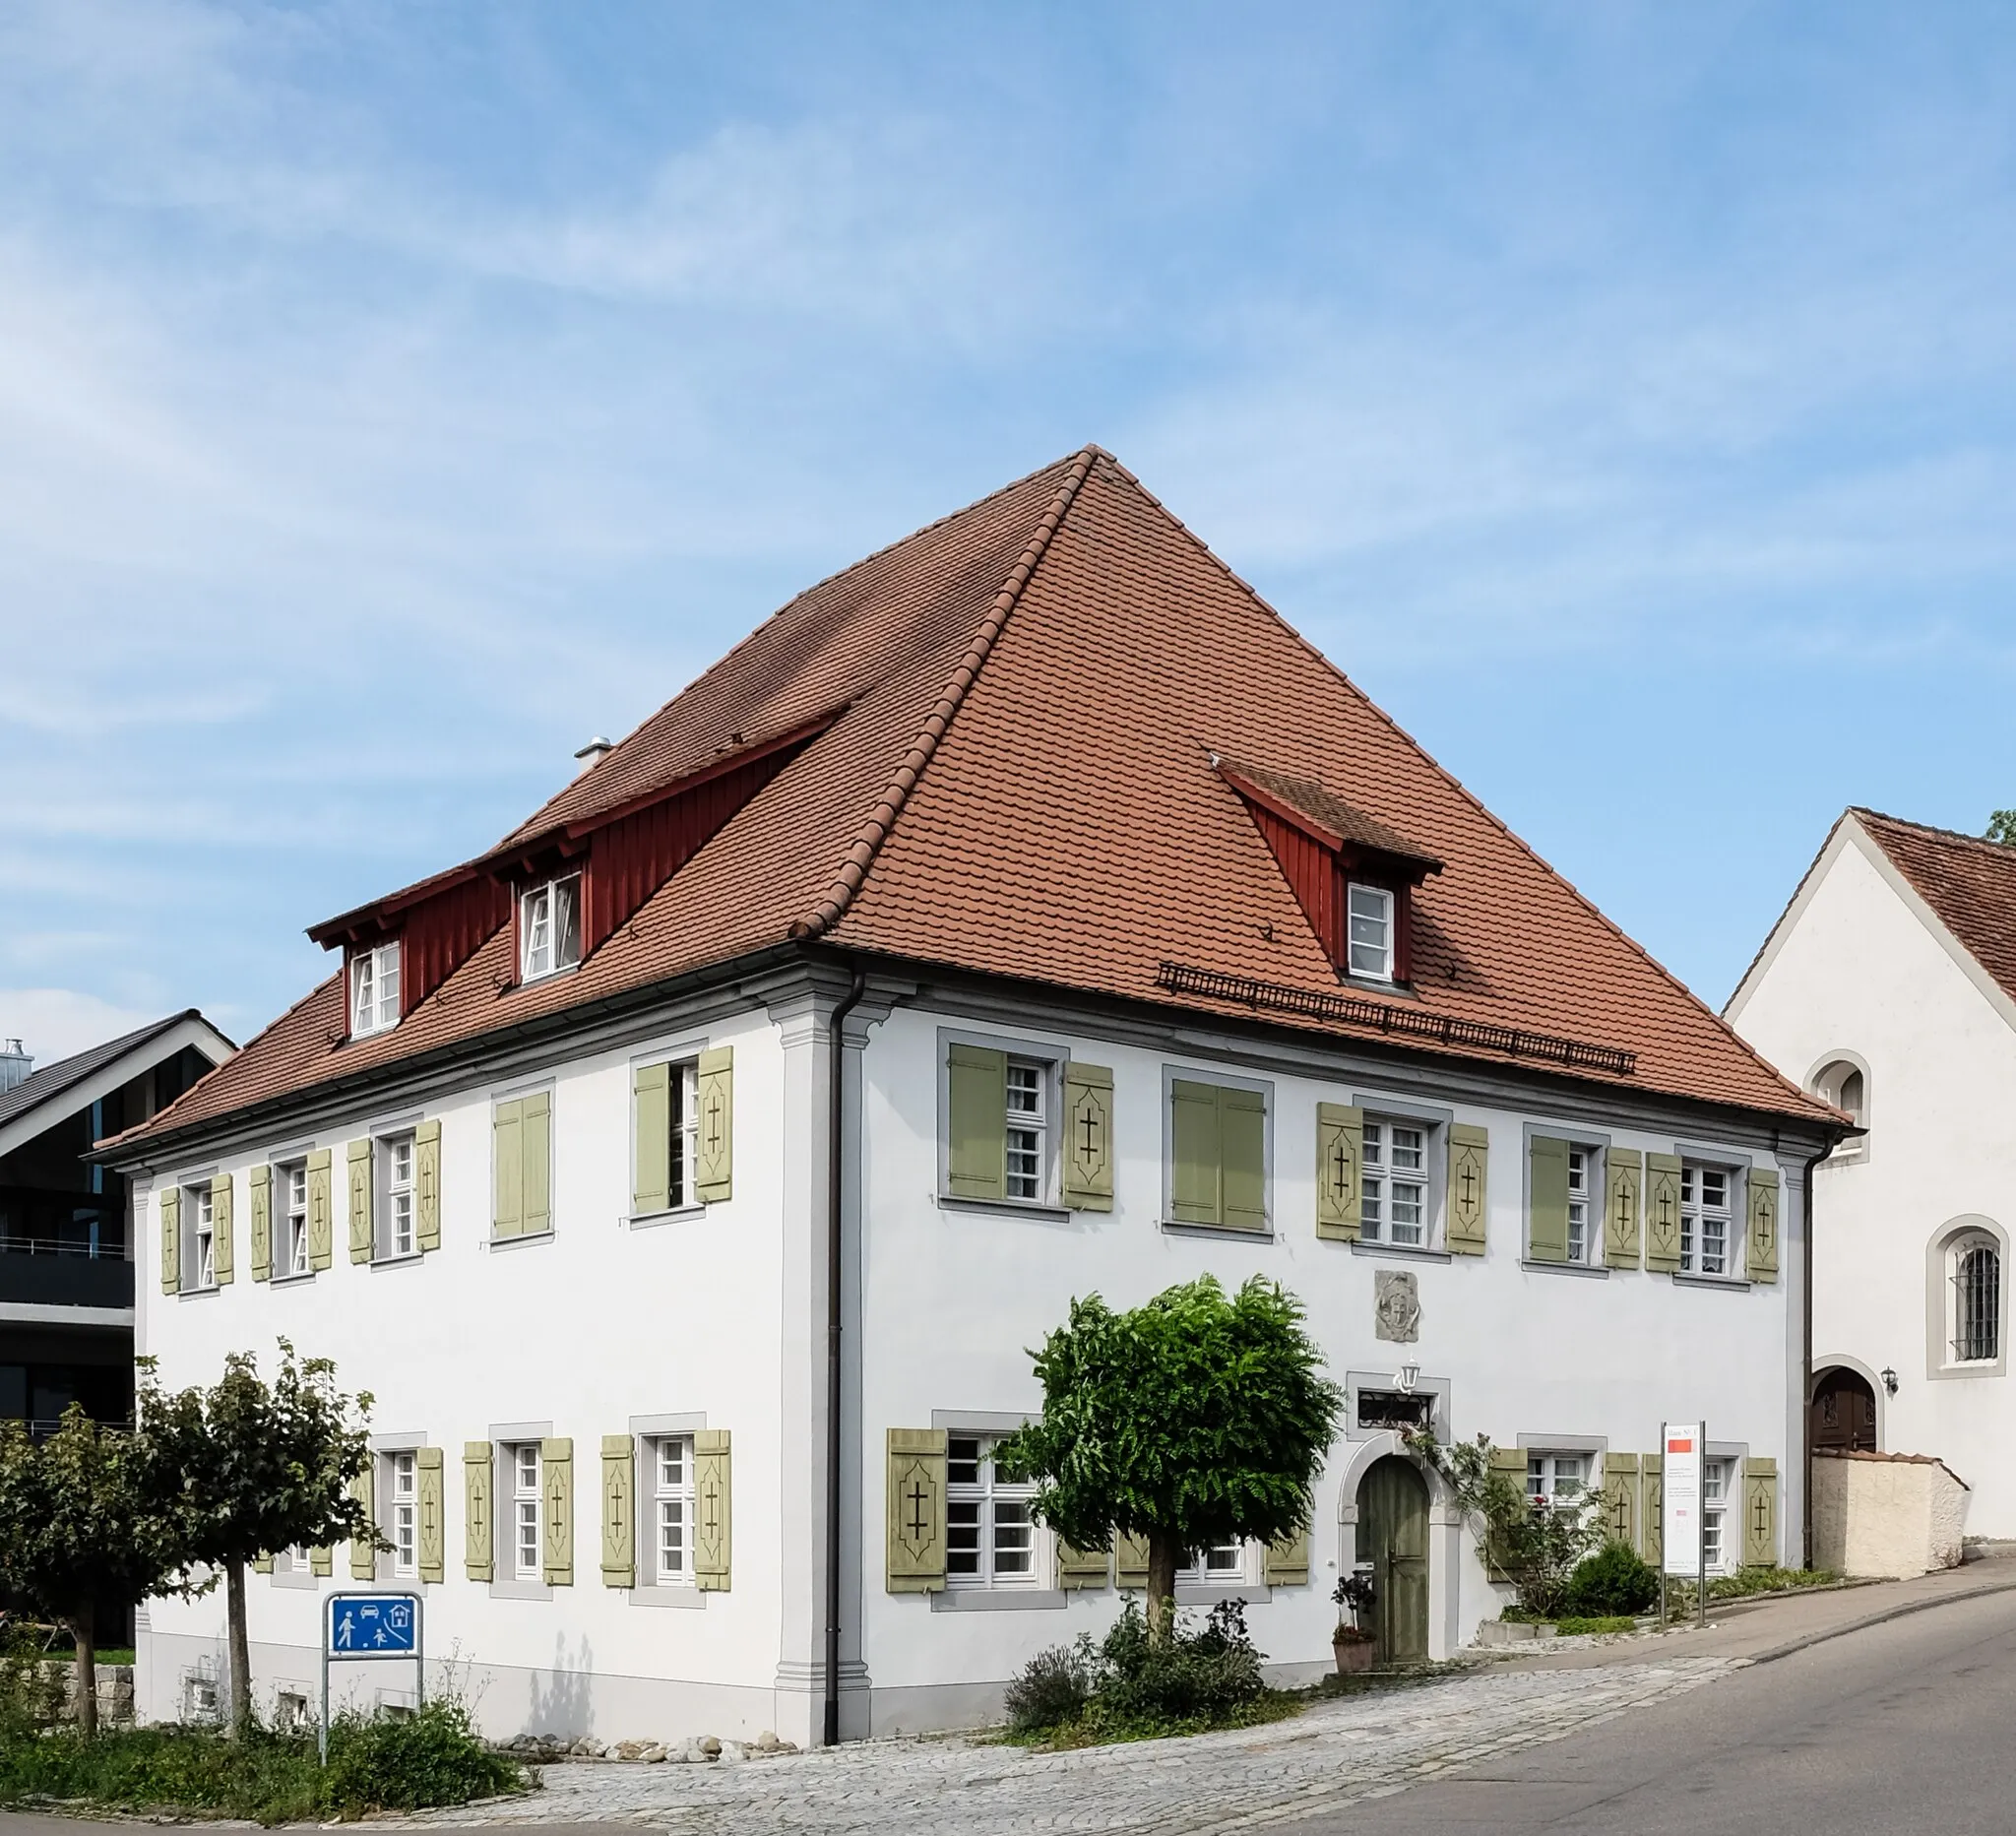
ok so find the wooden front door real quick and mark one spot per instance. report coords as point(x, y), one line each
point(1393, 1535)
point(1843, 1412)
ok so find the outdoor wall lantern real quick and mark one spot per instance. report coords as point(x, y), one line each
point(1407, 1376)
point(1889, 1381)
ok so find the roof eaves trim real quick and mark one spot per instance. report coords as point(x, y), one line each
point(1313, 826)
point(347, 926)
point(868, 842)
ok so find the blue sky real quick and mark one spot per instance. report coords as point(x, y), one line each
point(393, 396)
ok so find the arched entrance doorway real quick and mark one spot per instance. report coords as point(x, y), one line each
point(1393, 1537)
point(1843, 1412)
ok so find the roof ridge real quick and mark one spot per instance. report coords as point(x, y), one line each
point(1980, 842)
point(875, 829)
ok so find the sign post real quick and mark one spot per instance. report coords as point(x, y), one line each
point(360, 1628)
point(1683, 1551)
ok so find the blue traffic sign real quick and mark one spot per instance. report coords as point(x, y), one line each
point(373, 1626)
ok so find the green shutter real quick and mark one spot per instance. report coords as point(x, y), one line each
point(259, 1226)
point(1652, 1509)
point(362, 1234)
point(171, 1239)
point(914, 1525)
point(427, 1186)
point(715, 1112)
point(1663, 1211)
point(1287, 1562)
point(1547, 1221)
point(478, 1473)
point(651, 1125)
point(432, 1552)
point(262, 1564)
point(1623, 1170)
point(507, 1167)
point(1242, 1135)
point(1508, 1464)
point(557, 1515)
point(1088, 1137)
point(321, 1235)
point(1195, 1154)
point(364, 1549)
point(1078, 1570)
point(714, 1496)
point(1760, 1513)
point(538, 1182)
point(1469, 1188)
point(1130, 1561)
point(1762, 1265)
point(976, 1123)
point(1620, 1497)
point(1340, 1151)
point(320, 1561)
point(619, 1511)
point(221, 1227)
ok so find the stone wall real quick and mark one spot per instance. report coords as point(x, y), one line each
point(1886, 1514)
point(115, 1691)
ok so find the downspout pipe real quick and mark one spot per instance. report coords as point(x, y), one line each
point(835, 1138)
point(1806, 1352)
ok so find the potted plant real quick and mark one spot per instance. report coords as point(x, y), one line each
point(1356, 1647)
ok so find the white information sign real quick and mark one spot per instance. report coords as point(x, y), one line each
point(1680, 1528)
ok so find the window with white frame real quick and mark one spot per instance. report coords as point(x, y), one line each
point(1370, 912)
point(394, 1154)
point(1974, 1309)
point(671, 1510)
point(1706, 1218)
point(549, 927)
point(1843, 1084)
point(402, 1515)
point(682, 1108)
point(374, 989)
point(1584, 1183)
point(290, 1188)
point(1393, 1194)
point(1718, 1486)
point(1554, 1479)
point(524, 1460)
point(199, 1251)
point(1216, 1564)
point(1029, 1133)
point(989, 1535)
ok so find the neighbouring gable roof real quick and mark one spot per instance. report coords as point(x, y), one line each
point(1969, 883)
point(1014, 715)
point(52, 1080)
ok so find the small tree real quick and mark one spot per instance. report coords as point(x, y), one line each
point(78, 1533)
point(248, 1469)
point(2003, 826)
point(1194, 1419)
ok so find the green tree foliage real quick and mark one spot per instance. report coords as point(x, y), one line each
point(1193, 1420)
point(2002, 827)
point(247, 1467)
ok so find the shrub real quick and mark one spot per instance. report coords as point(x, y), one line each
point(1053, 1688)
point(1611, 1582)
point(408, 1762)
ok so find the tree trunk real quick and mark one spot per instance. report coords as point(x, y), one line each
point(1163, 1558)
point(241, 1650)
point(82, 1630)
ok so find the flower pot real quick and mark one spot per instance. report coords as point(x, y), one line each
point(1354, 1655)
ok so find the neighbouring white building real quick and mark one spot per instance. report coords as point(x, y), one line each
point(1023, 912)
point(1888, 986)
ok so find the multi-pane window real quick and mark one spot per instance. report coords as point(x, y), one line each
point(1581, 1180)
point(990, 1536)
point(671, 1508)
point(1977, 1305)
point(374, 988)
point(396, 1195)
point(1028, 1127)
point(1716, 1484)
point(1370, 916)
point(1218, 1563)
point(682, 1104)
point(525, 1509)
point(404, 1487)
point(1393, 1204)
point(200, 1208)
point(1556, 1478)
point(549, 927)
point(1704, 1219)
point(291, 1184)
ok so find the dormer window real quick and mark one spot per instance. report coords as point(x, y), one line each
point(1371, 932)
point(549, 927)
point(374, 989)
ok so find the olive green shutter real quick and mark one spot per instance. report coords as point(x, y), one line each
point(917, 1511)
point(507, 1163)
point(1194, 1152)
point(1652, 1509)
point(1340, 1153)
point(651, 1126)
point(171, 1239)
point(364, 1548)
point(259, 1227)
point(432, 1550)
point(1762, 1265)
point(1082, 1568)
point(619, 1511)
point(1508, 1464)
point(1242, 1132)
point(427, 1186)
point(1663, 1211)
point(1130, 1561)
point(479, 1472)
point(1088, 1137)
point(537, 1182)
point(976, 1123)
point(1760, 1512)
point(1287, 1562)
point(556, 1514)
point(1547, 1200)
point(360, 1201)
point(1621, 1498)
point(1623, 1168)
point(321, 1235)
point(713, 1517)
point(262, 1564)
point(1468, 1183)
point(221, 1227)
point(321, 1560)
point(715, 1106)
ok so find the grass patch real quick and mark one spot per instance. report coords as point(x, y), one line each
point(1595, 1623)
point(1768, 1581)
point(118, 1654)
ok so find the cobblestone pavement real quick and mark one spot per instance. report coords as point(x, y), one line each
point(1362, 1746)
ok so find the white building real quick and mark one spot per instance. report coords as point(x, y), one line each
point(1889, 986)
point(1023, 912)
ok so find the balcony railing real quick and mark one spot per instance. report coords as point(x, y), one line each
point(64, 1272)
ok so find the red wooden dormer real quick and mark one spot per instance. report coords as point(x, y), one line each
point(1354, 877)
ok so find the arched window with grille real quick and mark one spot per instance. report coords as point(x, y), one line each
point(1977, 1302)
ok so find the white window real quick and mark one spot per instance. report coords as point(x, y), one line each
point(1371, 912)
point(402, 1485)
point(374, 989)
point(1583, 1185)
point(1704, 1219)
point(290, 1184)
point(1029, 1134)
point(1556, 1478)
point(671, 1510)
point(200, 1260)
point(1843, 1084)
point(683, 1155)
point(1393, 1205)
point(989, 1535)
point(1718, 1485)
point(1216, 1564)
point(1973, 1311)
point(395, 1157)
point(549, 927)
point(525, 1509)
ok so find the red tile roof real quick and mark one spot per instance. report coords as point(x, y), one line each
point(1018, 780)
point(1969, 882)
